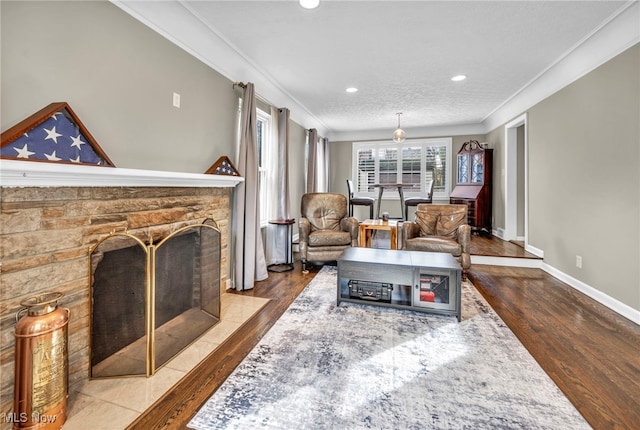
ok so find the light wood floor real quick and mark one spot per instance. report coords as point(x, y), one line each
point(591, 353)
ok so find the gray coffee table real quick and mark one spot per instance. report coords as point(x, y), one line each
point(415, 280)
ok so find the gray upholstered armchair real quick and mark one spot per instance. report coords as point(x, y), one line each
point(440, 228)
point(325, 229)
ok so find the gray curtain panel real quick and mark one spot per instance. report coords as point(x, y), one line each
point(279, 193)
point(312, 161)
point(325, 165)
point(317, 163)
point(250, 264)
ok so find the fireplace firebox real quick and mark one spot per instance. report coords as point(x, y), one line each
point(150, 301)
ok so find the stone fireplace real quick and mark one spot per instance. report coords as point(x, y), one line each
point(52, 215)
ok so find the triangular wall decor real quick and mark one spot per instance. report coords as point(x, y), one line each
point(223, 166)
point(54, 135)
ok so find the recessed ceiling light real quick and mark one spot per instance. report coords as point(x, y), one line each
point(459, 78)
point(309, 4)
point(351, 89)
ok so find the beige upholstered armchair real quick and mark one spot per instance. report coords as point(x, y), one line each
point(440, 228)
point(325, 229)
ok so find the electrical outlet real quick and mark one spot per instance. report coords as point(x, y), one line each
point(578, 261)
point(176, 100)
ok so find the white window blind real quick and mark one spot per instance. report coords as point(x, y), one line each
point(414, 161)
point(365, 169)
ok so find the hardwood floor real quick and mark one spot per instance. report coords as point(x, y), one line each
point(495, 247)
point(591, 353)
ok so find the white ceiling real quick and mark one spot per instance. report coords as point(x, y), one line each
point(401, 55)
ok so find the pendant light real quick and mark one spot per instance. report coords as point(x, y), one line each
point(399, 135)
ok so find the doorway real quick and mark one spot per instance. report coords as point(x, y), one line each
point(516, 183)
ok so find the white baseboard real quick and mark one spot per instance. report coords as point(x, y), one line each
point(597, 295)
point(535, 251)
point(538, 263)
point(534, 263)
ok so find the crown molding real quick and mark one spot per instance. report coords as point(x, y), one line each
point(174, 20)
point(619, 33)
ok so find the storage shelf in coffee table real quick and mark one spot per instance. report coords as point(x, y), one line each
point(422, 281)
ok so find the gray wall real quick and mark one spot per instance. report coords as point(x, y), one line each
point(583, 178)
point(583, 163)
point(119, 77)
point(496, 141)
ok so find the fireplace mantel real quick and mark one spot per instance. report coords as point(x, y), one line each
point(15, 173)
point(53, 213)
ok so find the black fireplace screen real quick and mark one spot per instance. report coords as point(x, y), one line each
point(149, 302)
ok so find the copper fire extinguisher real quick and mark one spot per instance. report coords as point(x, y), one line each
point(41, 364)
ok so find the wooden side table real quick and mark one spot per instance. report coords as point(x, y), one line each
point(369, 225)
point(288, 263)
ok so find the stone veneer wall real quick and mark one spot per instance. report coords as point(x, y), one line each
point(45, 238)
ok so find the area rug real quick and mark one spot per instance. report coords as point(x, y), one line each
point(323, 366)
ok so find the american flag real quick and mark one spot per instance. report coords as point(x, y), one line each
point(223, 166)
point(58, 138)
point(225, 169)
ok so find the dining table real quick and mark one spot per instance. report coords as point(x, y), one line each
point(382, 186)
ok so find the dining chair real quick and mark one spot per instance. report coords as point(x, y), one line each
point(359, 201)
point(415, 201)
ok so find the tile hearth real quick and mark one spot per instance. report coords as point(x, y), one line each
point(115, 403)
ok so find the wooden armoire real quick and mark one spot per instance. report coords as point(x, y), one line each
point(474, 187)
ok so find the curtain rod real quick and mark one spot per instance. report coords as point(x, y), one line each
point(258, 96)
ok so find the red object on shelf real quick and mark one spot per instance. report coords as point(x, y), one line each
point(427, 296)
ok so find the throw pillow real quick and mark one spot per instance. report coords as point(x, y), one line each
point(427, 222)
point(447, 225)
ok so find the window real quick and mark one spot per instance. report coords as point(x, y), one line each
point(263, 135)
point(411, 162)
